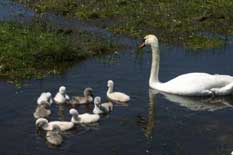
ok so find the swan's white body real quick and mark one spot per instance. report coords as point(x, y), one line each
point(198, 84)
point(48, 126)
point(102, 108)
point(116, 96)
point(85, 118)
point(61, 97)
point(45, 97)
point(191, 84)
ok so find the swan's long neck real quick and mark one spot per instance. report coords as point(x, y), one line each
point(110, 89)
point(154, 73)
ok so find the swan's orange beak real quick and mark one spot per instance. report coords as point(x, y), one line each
point(142, 45)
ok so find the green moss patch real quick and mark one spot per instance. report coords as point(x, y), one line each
point(172, 20)
point(34, 51)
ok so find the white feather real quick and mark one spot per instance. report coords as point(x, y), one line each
point(61, 97)
point(191, 84)
point(116, 96)
point(85, 118)
point(102, 108)
point(48, 126)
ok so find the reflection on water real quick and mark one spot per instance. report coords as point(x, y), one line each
point(148, 130)
point(151, 115)
point(61, 113)
point(148, 123)
point(201, 103)
point(110, 59)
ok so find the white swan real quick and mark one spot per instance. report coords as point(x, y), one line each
point(116, 96)
point(85, 118)
point(54, 136)
point(86, 99)
point(45, 97)
point(42, 111)
point(102, 108)
point(191, 84)
point(61, 97)
point(48, 126)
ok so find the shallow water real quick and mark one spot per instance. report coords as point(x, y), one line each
point(150, 124)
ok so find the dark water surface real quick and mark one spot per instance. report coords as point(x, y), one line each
point(150, 124)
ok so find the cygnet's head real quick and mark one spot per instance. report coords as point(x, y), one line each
point(62, 90)
point(97, 100)
point(73, 112)
point(41, 122)
point(150, 40)
point(88, 91)
point(43, 94)
point(56, 128)
point(48, 95)
point(110, 83)
point(44, 105)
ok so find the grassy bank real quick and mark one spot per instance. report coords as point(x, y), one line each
point(173, 21)
point(36, 51)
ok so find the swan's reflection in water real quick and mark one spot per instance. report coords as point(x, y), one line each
point(192, 103)
point(151, 115)
point(148, 123)
point(201, 103)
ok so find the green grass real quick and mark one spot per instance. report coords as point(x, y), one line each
point(33, 51)
point(173, 21)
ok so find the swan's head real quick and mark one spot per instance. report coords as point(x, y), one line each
point(150, 40)
point(110, 83)
point(97, 100)
point(88, 91)
point(73, 112)
point(41, 122)
point(62, 90)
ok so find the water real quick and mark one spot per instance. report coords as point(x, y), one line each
point(10, 11)
point(149, 124)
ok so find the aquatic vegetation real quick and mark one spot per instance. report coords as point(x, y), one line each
point(172, 21)
point(35, 50)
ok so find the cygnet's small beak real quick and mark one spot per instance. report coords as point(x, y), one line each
point(142, 45)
